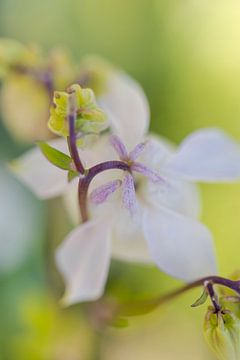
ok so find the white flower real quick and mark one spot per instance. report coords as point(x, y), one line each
point(163, 227)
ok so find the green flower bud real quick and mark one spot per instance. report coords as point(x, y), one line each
point(89, 117)
point(222, 332)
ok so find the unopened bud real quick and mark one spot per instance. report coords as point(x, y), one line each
point(222, 333)
point(89, 117)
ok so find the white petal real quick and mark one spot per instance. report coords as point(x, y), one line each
point(180, 246)
point(128, 243)
point(174, 193)
point(20, 222)
point(127, 107)
point(42, 177)
point(207, 155)
point(177, 195)
point(84, 259)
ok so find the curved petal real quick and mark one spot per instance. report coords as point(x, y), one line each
point(35, 171)
point(127, 107)
point(83, 259)
point(180, 246)
point(207, 155)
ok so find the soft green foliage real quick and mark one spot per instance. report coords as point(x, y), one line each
point(71, 175)
point(222, 332)
point(89, 117)
point(56, 157)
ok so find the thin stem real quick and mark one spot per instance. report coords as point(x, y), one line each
point(213, 296)
point(72, 145)
point(84, 183)
point(149, 305)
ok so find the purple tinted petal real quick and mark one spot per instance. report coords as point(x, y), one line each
point(137, 151)
point(101, 194)
point(144, 170)
point(119, 147)
point(128, 195)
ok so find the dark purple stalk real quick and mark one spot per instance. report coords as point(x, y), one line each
point(72, 143)
point(213, 280)
point(213, 296)
point(84, 183)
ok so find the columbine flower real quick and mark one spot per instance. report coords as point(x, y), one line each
point(163, 227)
point(125, 104)
point(101, 194)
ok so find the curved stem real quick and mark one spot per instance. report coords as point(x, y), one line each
point(84, 182)
point(72, 144)
point(149, 305)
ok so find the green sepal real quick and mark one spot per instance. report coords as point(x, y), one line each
point(56, 157)
point(72, 175)
point(201, 300)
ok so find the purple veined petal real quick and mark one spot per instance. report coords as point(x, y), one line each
point(128, 195)
point(137, 151)
point(146, 171)
point(119, 147)
point(101, 194)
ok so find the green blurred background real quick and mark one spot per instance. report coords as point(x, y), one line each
point(186, 55)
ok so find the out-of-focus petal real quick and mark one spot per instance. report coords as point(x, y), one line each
point(128, 193)
point(119, 147)
point(83, 259)
point(180, 246)
point(42, 177)
point(101, 194)
point(21, 222)
point(207, 155)
point(127, 107)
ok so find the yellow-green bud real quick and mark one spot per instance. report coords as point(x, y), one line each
point(13, 53)
point(24, 107)
point(89, 117)
point(222, 332)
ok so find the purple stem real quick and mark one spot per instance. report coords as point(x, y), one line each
point(151, 304)
point(72, 144)
point(84, 183)
point(213, 296)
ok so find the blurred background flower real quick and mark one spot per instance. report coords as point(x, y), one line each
point(186, 55)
